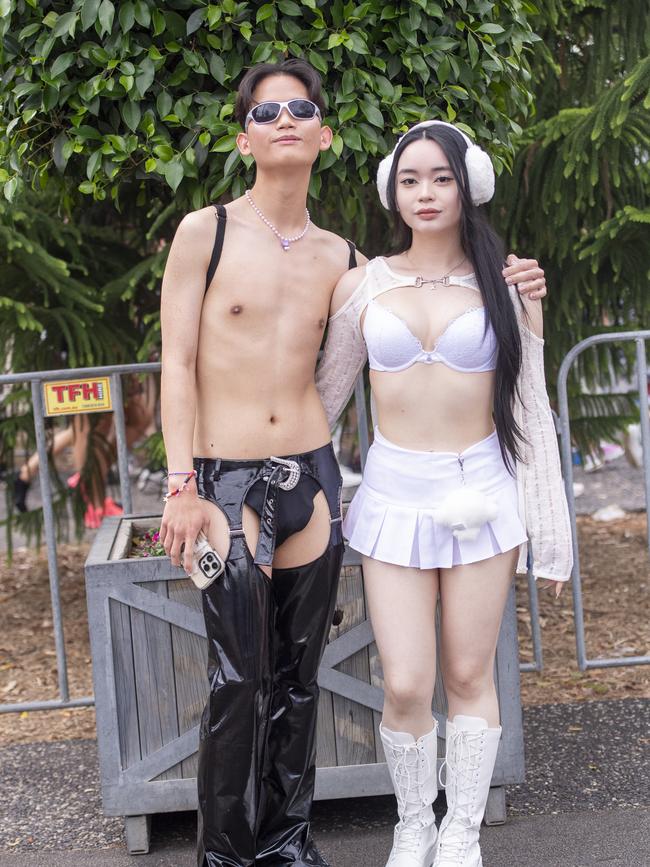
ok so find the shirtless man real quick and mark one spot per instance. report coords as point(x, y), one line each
point(240, 344)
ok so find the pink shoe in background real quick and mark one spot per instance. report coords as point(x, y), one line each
point(111, 507)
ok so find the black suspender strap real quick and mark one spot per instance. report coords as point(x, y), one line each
point(353, 255)
point(218, 244)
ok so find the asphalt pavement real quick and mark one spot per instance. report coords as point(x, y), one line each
point(581, 839)
point(586, 801)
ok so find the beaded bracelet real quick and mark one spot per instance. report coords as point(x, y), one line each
point(182, 487)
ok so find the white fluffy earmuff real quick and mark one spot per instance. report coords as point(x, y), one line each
point(480, 171)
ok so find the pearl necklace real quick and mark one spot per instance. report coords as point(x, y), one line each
point(442, 281)
point(284, 241)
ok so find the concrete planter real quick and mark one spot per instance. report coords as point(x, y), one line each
point(149, 662)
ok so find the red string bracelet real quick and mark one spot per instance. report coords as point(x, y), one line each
point(182, 487)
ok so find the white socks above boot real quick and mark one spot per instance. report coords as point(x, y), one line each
point(471, 752)
point(412, 766)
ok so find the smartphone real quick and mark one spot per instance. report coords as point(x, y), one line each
point(207, 565)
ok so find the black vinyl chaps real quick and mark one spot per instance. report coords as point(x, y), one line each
point(266, 637)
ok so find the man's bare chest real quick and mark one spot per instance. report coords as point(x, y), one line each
point(249, 294)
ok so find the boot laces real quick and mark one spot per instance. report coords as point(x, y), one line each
point(409, 797)
point(407, 837)
point(463, 760)
point(408, 779)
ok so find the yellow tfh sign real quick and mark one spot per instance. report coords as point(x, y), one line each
point(73, 396)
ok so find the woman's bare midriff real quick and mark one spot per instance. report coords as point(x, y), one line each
point(430, 407)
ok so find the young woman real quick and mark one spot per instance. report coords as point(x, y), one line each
point(463, 471)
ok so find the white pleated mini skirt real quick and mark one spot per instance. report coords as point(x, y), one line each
point(391, 517)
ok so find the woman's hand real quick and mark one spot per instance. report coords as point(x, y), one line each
point(182, 521)
point(527, 275)
point(548, 585)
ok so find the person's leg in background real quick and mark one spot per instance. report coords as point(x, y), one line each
point(93, 452)
point(91, 445)
point(62, 439)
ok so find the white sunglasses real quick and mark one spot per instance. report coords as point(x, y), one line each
point(267, 112)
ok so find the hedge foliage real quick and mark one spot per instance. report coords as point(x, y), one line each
point(125, 99)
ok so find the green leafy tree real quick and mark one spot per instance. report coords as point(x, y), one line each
point(121, 116)
point(579, 194)
point(52, 302)
point(55, 312)
point(133, 101)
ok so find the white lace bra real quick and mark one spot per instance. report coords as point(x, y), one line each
point(464, 345)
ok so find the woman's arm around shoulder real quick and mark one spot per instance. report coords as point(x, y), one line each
point(345, 350)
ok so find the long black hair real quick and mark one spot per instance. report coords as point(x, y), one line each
point(484, 250)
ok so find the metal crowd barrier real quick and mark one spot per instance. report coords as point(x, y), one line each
point(639, 337)
point(115, 372)
point(36, 379)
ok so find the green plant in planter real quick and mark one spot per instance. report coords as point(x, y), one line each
point(147, 544)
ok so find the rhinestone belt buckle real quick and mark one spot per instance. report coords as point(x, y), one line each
point(293, 470)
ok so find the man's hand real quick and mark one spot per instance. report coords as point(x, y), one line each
point(527, 275)
point(182, 521)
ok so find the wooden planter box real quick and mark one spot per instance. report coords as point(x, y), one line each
point(149, 667)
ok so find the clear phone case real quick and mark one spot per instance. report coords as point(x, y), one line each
point(207, 565)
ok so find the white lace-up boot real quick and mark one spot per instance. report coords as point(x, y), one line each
point(412, 766)
point(471, 751)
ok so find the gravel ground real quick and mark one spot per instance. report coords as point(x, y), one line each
point(587, 756)
point(615, 483)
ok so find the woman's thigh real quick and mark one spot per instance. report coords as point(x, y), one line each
point(472, 601)
point(402, 605)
